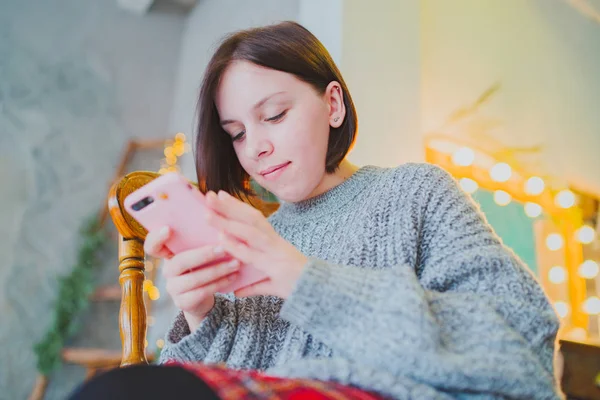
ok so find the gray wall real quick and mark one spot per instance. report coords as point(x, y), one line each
point(77, 79)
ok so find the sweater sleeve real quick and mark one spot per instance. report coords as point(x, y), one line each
point(235, 332)
point(468, 319)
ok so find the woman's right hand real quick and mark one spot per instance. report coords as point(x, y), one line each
point(192, 276)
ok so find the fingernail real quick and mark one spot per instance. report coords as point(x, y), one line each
point(164, 231)
point(219, 250)
point(233, 264)
point(222, 194)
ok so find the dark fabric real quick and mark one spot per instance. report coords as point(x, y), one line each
point(148, 382)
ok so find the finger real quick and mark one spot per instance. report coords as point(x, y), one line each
point(154, 244)
point(248, 234)
point(256, 289)
point(190, 259)
point(234, 209)
point(193, 297)
point(201, 277)
point(237, 249)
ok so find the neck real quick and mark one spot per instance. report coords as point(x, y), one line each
point(345, 170)
point(351, 182)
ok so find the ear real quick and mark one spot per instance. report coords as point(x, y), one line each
point(334, 96)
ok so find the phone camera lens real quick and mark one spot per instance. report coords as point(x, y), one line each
point(142, 203)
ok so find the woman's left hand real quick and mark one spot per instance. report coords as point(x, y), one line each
point(249, 237)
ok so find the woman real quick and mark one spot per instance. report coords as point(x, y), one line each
point(386, 280)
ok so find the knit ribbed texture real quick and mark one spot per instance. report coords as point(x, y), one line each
point(407, 292)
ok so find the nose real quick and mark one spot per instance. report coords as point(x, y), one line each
point(258, 145)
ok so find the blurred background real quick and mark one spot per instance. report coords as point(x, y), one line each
point(504, 94)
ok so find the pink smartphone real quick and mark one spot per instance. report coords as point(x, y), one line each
point(170, 200)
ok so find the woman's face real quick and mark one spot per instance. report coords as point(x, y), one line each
point(279, 126)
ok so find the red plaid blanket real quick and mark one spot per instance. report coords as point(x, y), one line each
point(232, 384)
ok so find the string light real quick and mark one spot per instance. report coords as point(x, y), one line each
point(160, 343)
point(502, 198)
point(554, 241)
point(588, 269)
point(557, 274)
point(468, 185)
point(534, 186)
point(533, 210)
point(153, 293)
point(501, 172)
point(591, 305)
point(562, 308)
point(147, 285)
point(586, 234)
point(565, 199)
point(463, 157)
point(148, 266)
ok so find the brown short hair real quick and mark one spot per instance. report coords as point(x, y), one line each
point(287, 47)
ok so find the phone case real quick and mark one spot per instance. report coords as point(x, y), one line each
point(170, 200)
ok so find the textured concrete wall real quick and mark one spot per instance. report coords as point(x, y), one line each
point(77, 79)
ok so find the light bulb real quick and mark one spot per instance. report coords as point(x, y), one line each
point(502, 198)
point(533, 210)
point(534, 186)
point(586, 234)
point(557, 274)
point(468, 185)
point(463, 157)
point(588, 269)
point(565, 199)
point(554, 241)
point(562, 308)
point(591, 305)
point(501, 172)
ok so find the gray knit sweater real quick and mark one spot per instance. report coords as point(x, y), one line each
point(408, 292)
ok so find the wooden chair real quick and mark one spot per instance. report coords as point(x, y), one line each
point(132, 315)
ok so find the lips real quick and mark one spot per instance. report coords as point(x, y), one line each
point(273, 168)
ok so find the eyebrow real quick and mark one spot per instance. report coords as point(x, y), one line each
point(257, 105)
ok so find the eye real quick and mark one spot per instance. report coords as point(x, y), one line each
point(239, 136)
point(277, 117)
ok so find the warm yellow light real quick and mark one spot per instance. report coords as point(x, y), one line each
point(179, 148)
point(463, 157)
point(591, 305)
point(565, 199)
point(160, 343)
point(162, 171)
point(168, 151)
point(469, 185)
point(501, 172)
point(586, 234)
point(151, 320)
point(554, 241)
point(147, 285)
point(533, 210)
point(562, 308)
point(534, 186)
point(589, 269)
point(180, 136)
point(153, 293)
point(171, 160)
point(502, 198)
point(577, 334)
point(557, 274)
